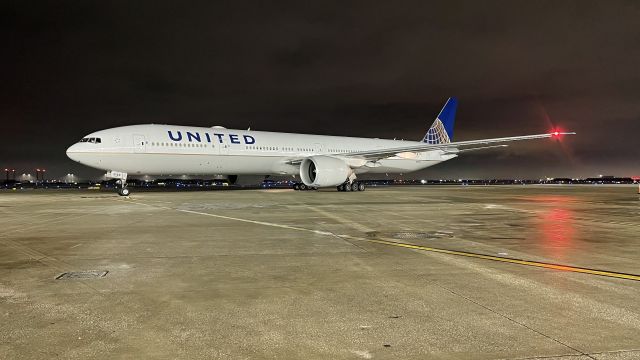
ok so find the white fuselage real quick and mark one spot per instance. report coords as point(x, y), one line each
point(177, 150)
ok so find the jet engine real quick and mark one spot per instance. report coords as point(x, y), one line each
point(324, 171)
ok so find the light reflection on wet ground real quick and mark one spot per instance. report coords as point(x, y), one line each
point(556, 225)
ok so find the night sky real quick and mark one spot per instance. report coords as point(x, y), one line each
point(370, 69)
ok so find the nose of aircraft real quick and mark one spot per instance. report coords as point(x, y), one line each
point(72, 152)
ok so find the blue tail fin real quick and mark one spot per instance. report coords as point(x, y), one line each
point(441, 131)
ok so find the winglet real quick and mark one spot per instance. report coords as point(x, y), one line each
point(441, 131)
point(559, 134)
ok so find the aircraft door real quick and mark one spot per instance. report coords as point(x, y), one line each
point(223, 147)
point(139, 143)
point(222, 162)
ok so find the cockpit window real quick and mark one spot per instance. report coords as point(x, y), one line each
point(92, 140)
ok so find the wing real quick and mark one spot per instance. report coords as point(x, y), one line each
point(452, 147)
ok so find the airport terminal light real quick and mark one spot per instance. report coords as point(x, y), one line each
point(69, 178)
point(26, 177)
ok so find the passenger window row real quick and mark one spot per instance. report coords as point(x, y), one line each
point(276, 148)
point(267, 148)
point(248, 147)
point(165, 144)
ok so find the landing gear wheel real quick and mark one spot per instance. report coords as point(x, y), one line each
point(303, 187)
point(124, 192)
point(347, 187)
point(296, 186)
point(361, 186)
point(340, 188)
point(354, 186)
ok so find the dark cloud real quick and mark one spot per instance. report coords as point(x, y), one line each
point(354, 68)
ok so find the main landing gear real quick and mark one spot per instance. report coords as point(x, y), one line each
point(353, 186)
point(302, 186)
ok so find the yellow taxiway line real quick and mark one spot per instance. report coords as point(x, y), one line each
point(611, 274)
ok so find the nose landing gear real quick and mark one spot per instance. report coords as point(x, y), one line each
point(122, 181)
point(123, 191)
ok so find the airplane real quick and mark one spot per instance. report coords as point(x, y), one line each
point(320, 161)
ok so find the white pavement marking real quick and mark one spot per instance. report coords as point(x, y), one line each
point(354, 225)
point(319, 232)
point(422, 249)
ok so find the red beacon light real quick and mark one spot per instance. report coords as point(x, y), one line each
point(558, 133)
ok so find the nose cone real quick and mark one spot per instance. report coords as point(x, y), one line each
point(73, 152)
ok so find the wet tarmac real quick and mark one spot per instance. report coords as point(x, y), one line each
point(487, 272)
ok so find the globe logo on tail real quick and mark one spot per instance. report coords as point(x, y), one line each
point(441, 131)
point(437, 134)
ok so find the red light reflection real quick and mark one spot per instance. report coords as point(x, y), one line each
point(557, 228)
point(555, 224)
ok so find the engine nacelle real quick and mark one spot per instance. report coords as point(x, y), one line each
point(324, 171)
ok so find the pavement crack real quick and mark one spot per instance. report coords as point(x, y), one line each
point(580, 352)
point(347, 241)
